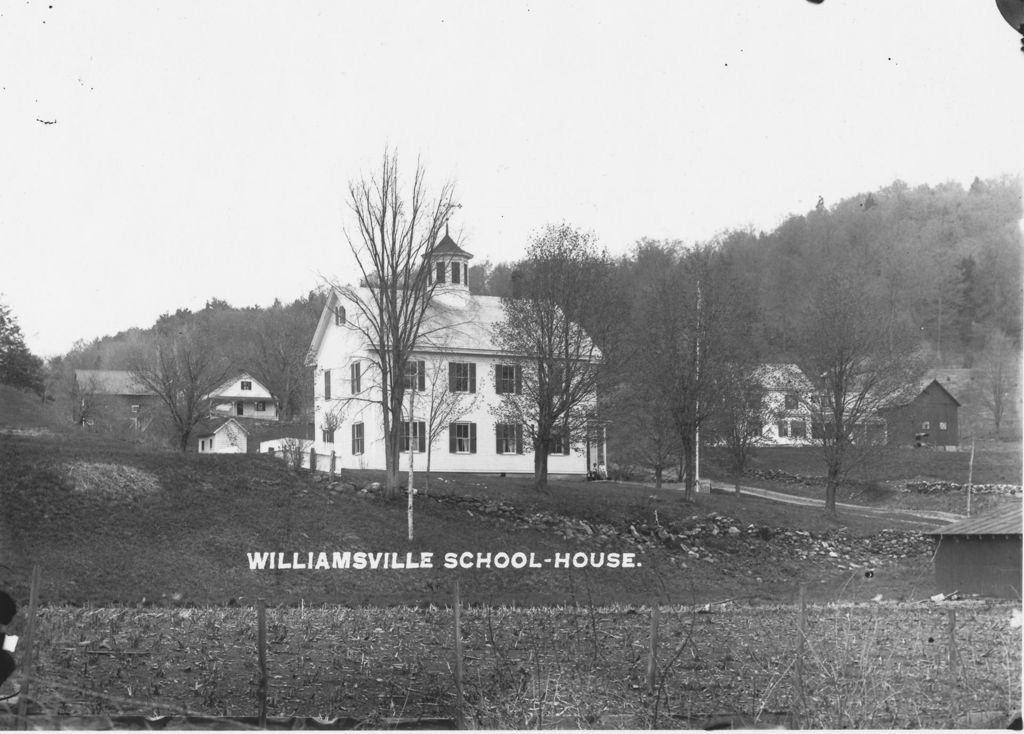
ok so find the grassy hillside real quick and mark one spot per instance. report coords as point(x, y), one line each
point(110, 522)
point(22, 409)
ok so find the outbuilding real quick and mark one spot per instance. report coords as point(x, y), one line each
point(981, 555)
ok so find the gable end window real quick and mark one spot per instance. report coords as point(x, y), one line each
point(357, 375)
point(508, 438)
point(419, 436)
point(357, 438)
point(339, 315)
point(327, 384)
point(462, 377)
point(462, 438)
point(415, 375)
point(559, 443)
point(247, 384)
point(792, 401)
point(135, 408)
point(508, 378)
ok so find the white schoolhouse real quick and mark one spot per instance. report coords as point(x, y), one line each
point(457, 355)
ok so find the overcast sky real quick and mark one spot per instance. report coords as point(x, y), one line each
point(155, 155)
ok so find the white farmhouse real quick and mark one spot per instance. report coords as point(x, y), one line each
point(457, 354)
point(789, 396)
point(244, 397)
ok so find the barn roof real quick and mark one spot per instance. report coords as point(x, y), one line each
point(1002, 521)
point(910, 393)
point(110, 382)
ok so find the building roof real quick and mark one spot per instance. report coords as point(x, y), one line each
point(447, 246)
point(455, 321)
point(110, 382)
point(222, 390)
point(782, 376)
point(1001, 521)
point(911, 392)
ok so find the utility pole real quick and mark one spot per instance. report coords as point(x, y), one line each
point(412, 454)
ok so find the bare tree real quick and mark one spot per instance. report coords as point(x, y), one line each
point(996, 372)
point(561, 287)
point(861, 359)
point(393, 235)
point(442, 404)
point(181, 369)
point(279, 338)
point(646, 434)
point(740, 416)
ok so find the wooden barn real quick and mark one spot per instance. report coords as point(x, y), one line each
point(925, 415)
point(981, 555)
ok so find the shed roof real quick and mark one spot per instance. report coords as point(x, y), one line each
point(1002, 521)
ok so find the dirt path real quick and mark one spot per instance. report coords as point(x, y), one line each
point(922, 517)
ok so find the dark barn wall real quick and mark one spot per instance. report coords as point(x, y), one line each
point(986, 565)
point(933, 405)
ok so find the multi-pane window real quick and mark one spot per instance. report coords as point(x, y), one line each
point(247, 384)
point(261, 406)
point(462, 438)
point(792, 401)
point(415, 375)
point(328, 435)
point(419, 436)
point(559, 443)
point(135, 408)
point(339, 315)
point(942, 426)
point(509, 438)
point(462, 377)
point(327, 384)
point(357, 375)
point(456, 272)
point(926, 426)
point(440, 272)
point(508, 378)
point(357, 438)
point(783, 427)
point(799, 429)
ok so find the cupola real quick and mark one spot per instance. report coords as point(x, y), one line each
point(449, 264)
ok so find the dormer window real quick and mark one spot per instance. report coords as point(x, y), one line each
point(339, 315)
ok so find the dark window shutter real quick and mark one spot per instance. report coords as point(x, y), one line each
point(472, 438)
point(472, 377)
point(451, 438)
point(421, 439)
point(519, 379)
point(519, 438)
point(440, 272)
point(421, 373)
point(565, 442)
point(497, 438)
point(497, 379)
point(451, 377)
point(327, 384)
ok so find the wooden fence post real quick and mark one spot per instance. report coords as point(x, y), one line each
point(261, 646)
point(798, 665)
point(951, 632)
point(334, 462)
point(460, 722)
point(28, 664)
point(312, 460)
point(652, 653)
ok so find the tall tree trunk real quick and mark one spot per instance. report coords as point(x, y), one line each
point(540, 467)
point(657, 476)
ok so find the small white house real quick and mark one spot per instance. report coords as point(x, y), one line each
point(789, 397)
point(226, 436)
point(244, 397)
point(458, 355)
